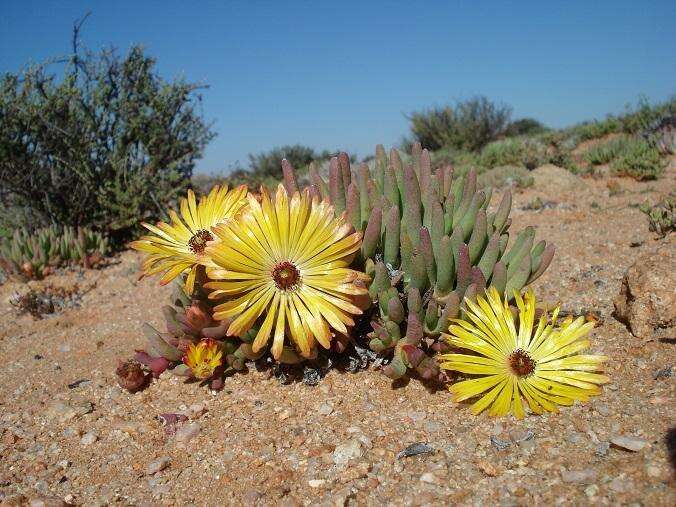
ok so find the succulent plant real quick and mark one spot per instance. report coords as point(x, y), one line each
point(430, 241)
point(189, 321)
point(661, 216)
point(35, 254)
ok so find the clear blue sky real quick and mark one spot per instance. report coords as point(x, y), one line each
point(342, 74)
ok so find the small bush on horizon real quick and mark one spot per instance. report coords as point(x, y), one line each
point(468, 125)
point(525, 127)
point(639, 160)
point(606, 151)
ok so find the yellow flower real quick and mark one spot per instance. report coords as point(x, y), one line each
point(179, 247)
point(203, 358)
point(540, 363)
point(286, 259)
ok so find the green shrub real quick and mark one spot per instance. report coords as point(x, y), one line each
point(522, 151)
point(595, 129)
point(605, 152)
point(641, 117)
point(269, 163)
point(525, 127)
point(501, 176)
point(639, 160)
point(108, 144)
point(467, 125)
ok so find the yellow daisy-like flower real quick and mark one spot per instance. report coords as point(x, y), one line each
point(540, 363)
point(287, 259)
point(179, 247)
point(203, 358)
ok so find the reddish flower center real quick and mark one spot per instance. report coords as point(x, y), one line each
point(285, 275)
point(521, 363)
point(198, 242)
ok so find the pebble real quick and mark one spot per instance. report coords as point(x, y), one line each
point(187, 432)
point(629, 443)
point(585, 476)
point(428, 478)
point(316, 483)
point(621, 485)
point(591, 490)
point(325, 409)
point(602, 448)
point(89, 438)
point(197, 409)
point(346, 451)
point(520, 435)
point(42, 501)
point(158, 465)
point(653, 471)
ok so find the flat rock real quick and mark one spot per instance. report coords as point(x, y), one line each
point(585, 476)
point(629, 443)
point(187, 432)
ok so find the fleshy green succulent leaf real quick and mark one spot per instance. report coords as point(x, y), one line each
point(490, 256)
point(477, 239)
point(372, 234)
point(544, 262)
point(446, 267)
point(502, 213)
point(428, 255)
point(354, 206)
point(520, 276)
point(499, 277)
point(289, 177)
point(392, 230)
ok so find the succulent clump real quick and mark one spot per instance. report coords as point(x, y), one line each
point(431, 241)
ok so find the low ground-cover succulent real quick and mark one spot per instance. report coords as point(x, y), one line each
point(430, 241)
point(35, 254)
point(661, 216)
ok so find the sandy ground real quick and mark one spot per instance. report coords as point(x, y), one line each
point(69, 432)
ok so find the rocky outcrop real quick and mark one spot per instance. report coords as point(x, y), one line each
point(647, 299)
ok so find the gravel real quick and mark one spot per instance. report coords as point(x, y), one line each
point(257, 442)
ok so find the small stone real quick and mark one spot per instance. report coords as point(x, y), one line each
point(187, 432)
point(158, 465)
point(575, 438)
point(89, 438)
point(499, 444)
point(586, 476)
point(197, 409)
point(602, 409)
point(316, 483)
point(520, 435)
point(325, 409)
point(46, 502)
point(602, 449)
point(628, 443)
point(621, 485)
point(653, 471)
point(591, 490)
point(487, 468)
point(347, 451)
point(415, 449)
point(64, 348)
point(428, 478)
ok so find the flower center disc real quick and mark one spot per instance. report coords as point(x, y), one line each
point(198, 242)
point(521, 363)
point(285, 275)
